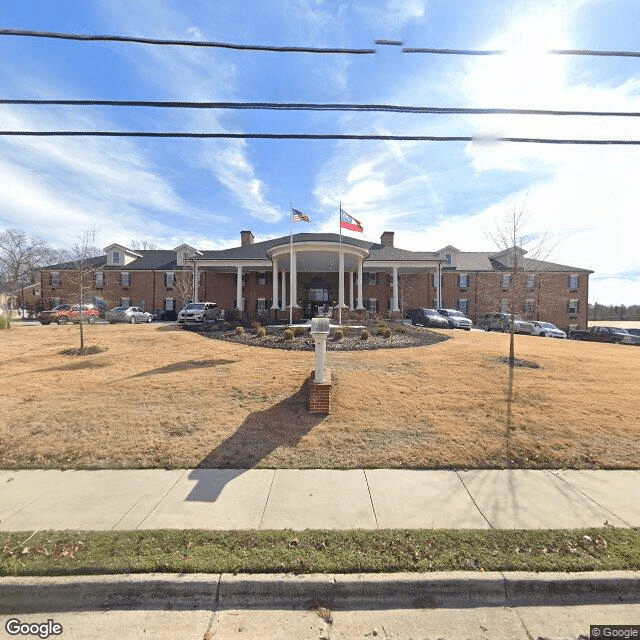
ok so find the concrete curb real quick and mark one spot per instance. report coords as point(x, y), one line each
point(337, 591)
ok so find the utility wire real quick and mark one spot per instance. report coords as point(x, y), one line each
point(255, 47)
point(180, 43)
point(296, 106)
point(315, 136)
point(501, 52)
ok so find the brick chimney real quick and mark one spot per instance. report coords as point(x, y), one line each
point(246, 238)
point(386, 239)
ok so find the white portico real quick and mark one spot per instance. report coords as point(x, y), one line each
point(317, 257)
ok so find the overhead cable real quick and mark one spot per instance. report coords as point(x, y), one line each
point(297, 106)
point(315, 136)
point(288, 49)
point(179, 43)
point(501, 52)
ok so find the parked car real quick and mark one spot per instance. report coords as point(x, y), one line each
point(199, 312)
point(547, 330)
point(165, 315)
point(616, 335)
point(634, 331)
point(127, 314)
point(63, 313)
point(502, 322)
point(456, 319)
point(427, 318)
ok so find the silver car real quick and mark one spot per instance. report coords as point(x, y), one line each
point(127, 314)
point(547, 330)
point(457, 319)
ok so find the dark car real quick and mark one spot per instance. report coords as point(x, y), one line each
point(427, 318)
point(165, 315)
point(634, 331)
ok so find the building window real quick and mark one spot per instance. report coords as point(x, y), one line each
point(115, 257)
point(56, 302)
point(463, 306)
point(55, 280)
point(261, 305)
point(505, 281)
point(529, 307)
point(504, 305)
point(168, 304)
point(464, 281)
point(372, 278)
point(573, 307)
point(99, 279)
point(262, 278)
point(185, 257)
point(448, 258)
point(169, 279)
point(531, 282)
point(125, 302)
point(574, 282)
point(126, 279)
point(372, 305)
point(244, 279)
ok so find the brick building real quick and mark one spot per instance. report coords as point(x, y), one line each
point(316, 270)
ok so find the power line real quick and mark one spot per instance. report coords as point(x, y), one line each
point(180, 43)
point(501, 52)
point(316, 136)
point(257, 47)
point(297, 106)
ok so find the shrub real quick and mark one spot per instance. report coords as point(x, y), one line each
point(401, 329)
point(298, 331)
point(288, 334)
point(346, 330)
point(364, 335)
point(386, 333)
point(338, 334)
point(5, 322)
point(261, 332)
point(239, 330)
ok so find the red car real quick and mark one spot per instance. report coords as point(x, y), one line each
point(64, 313)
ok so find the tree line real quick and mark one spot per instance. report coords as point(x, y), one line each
point(599, 311)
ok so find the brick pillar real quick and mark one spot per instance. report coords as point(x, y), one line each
point(319, 394)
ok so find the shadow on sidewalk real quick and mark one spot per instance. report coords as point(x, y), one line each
point(282, 425)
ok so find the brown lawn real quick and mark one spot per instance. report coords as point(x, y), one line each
point(156, 396)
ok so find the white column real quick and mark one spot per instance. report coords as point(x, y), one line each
point(351, 290)
point(395, 289)
point(274, 291)
point(341, 281)
point(283, 297)
point(360, 305)
point(196, 280)
point(239, 304)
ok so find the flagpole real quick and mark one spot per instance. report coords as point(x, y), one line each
point(291, 265)
point(340, 262)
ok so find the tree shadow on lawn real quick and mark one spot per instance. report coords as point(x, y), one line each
point(183, 366)
point(262, 432)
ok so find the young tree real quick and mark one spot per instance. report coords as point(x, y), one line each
point(86, 260)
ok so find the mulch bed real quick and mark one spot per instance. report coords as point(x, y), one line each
point(274, 339)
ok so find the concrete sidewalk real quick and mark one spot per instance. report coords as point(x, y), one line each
point(318, 499)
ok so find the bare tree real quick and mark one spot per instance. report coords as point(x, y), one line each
point(510, 238)
point(84, 257)
point(22, 254)
point(143, 244)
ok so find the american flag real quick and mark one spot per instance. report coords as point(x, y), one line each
point(298, 216)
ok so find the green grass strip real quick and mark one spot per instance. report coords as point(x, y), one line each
point(194, 551)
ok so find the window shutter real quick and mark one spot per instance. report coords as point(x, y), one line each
point(568, 306)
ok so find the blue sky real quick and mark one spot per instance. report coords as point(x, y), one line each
point(431, 194)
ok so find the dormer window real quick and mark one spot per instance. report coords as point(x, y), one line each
point(448, 258)
point(115, 257)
